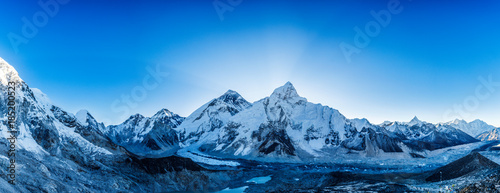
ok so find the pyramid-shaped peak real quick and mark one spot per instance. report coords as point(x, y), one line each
point(231, 92)
point(232, 97)
point(286, 91)
point(8, 73)
point(415, 121)
point(164, 113)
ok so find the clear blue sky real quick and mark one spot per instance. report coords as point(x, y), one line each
point(426, 60)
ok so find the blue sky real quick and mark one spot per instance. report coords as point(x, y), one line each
point(427, 60)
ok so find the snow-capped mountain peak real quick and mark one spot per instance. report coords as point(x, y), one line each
point(285, 92)
point(163, 113)
point(8, 73)
point(385, 123)
point(458, 121)
point(415, 121)
point(234, 98)
point(230, 93)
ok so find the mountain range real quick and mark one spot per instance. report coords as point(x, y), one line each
point(285, 126)
point(73, 150)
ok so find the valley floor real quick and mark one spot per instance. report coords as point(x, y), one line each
point(409, 175)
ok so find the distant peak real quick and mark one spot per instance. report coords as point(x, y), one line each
point(458, 121)
point(387, 123)
point(415, 121)
point(136, 116)
point(478, 121)
point(164, 113)
point(231, 92)
point(286, 91)
point(8, 73)
point(232, 96)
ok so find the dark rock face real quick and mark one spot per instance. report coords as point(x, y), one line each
point(277, 141)
point(230, 133)
point(63, 117)
point(274, 139)
point(46, 135)
point(474, 162)
point(159, 138)
point(416, 155)
point(166, 164)
point(382, 140)
point(376, 136)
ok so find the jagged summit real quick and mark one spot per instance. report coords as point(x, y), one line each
point(286, 91)
point(458, 121)
point(415, 121)
point(230, 96)
point(164, 113)
point(231, 92)
point(8, 73)
point(135, 117)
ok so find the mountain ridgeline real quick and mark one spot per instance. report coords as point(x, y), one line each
point(284, 126)
point(57, 151)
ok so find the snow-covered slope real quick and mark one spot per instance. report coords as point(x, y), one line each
point(51, 144)
point(205, 123)
point(148, 136)
point(44, 128)
point(8, 73)
point(492, 135)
